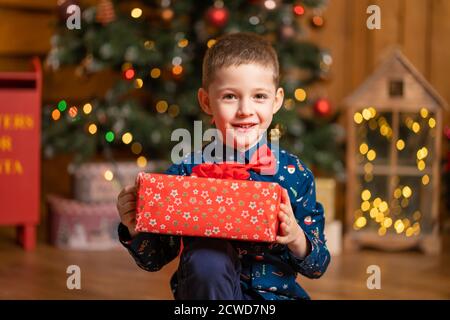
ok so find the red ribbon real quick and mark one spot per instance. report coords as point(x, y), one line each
point(261, 161)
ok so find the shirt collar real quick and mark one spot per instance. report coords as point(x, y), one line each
point(231, 154)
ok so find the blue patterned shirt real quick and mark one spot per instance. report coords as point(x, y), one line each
point(268, 269)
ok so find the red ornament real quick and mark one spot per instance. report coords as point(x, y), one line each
point(322, 107)
point(298, 10)
point(217, 16)
point(129, 74)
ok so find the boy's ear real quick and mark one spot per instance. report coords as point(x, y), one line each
point(203, 100)
point(279, 97)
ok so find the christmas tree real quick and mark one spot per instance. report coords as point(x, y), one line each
point(157, 47)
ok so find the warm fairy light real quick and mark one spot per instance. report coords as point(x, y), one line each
point(149, 45)
point(174, 110)
point(136, 148)
point(376, 202)
point(383, 206)
point(404, 203)
point(365, 206)
point(399, 227)
point(270, 4)
point(138, 83)
point(423, 113)
point(108, 175)
point(422, 153)
point(421, 165)
point(363, 148)
point(387, 222)
point(373, 213)
point(56, 114)
point(371, 155)
point(431, 122)
point(361, 222)
point(380, 217)
point(141, 161)
point(183, 43)
point(407, 192)
point(368, 177)
point(87, 108)
point(289, 104)
point(300, 94)
point(136, 13)
point(167, 14)
point(425, 180)
point(92, 128)
point(211, 42)
point(358, 118)
point(406, 222)
point(176, 70)
point(417, 215)
point(317, 21)
point(397, 193)
point(161, 106)
point(400, 144)
point(126, 66)
point(365, 195)
point(368, 167)
point(155, 73)
point(384, 130)
point(366, 114)
point(127, 138)
point(415, 127)
point(73, 111)
point(382, 231)
point(409, 232)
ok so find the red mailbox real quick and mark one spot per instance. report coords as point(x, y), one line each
point(20, 140)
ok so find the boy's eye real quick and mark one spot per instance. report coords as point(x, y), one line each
point(229, 96)
point(260, 96)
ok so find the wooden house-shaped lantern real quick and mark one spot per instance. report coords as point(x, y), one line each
point(394, 124)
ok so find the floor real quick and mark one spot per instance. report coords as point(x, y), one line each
point(41, 274)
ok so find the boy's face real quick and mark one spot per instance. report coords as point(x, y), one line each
point(242, 101)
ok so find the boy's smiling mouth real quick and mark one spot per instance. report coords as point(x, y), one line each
point(245, 126)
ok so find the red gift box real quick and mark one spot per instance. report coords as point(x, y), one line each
point(208, 207)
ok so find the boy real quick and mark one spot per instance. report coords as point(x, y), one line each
point(240, 92)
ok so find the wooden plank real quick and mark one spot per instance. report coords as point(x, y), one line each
point(440, 47)
point(64, 84)
point(29, 4)
point(414, 30)
point(332, 36)
point(357, 59)
point(381, 41)
point(19, 35)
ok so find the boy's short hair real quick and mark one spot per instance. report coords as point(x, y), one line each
point(235, 49)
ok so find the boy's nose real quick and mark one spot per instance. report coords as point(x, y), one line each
point(245, 108)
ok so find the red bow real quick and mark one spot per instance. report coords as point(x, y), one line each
point(261, 161)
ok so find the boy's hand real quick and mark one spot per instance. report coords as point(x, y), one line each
point(291, 233)
point(126, 205)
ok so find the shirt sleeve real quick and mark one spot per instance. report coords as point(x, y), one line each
point(152, 251)
point(310, 216)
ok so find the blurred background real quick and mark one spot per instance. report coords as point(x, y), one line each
point(90, 92)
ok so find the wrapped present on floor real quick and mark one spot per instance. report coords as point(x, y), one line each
point(90, 184)
point(208, 207)
point(83, 226)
